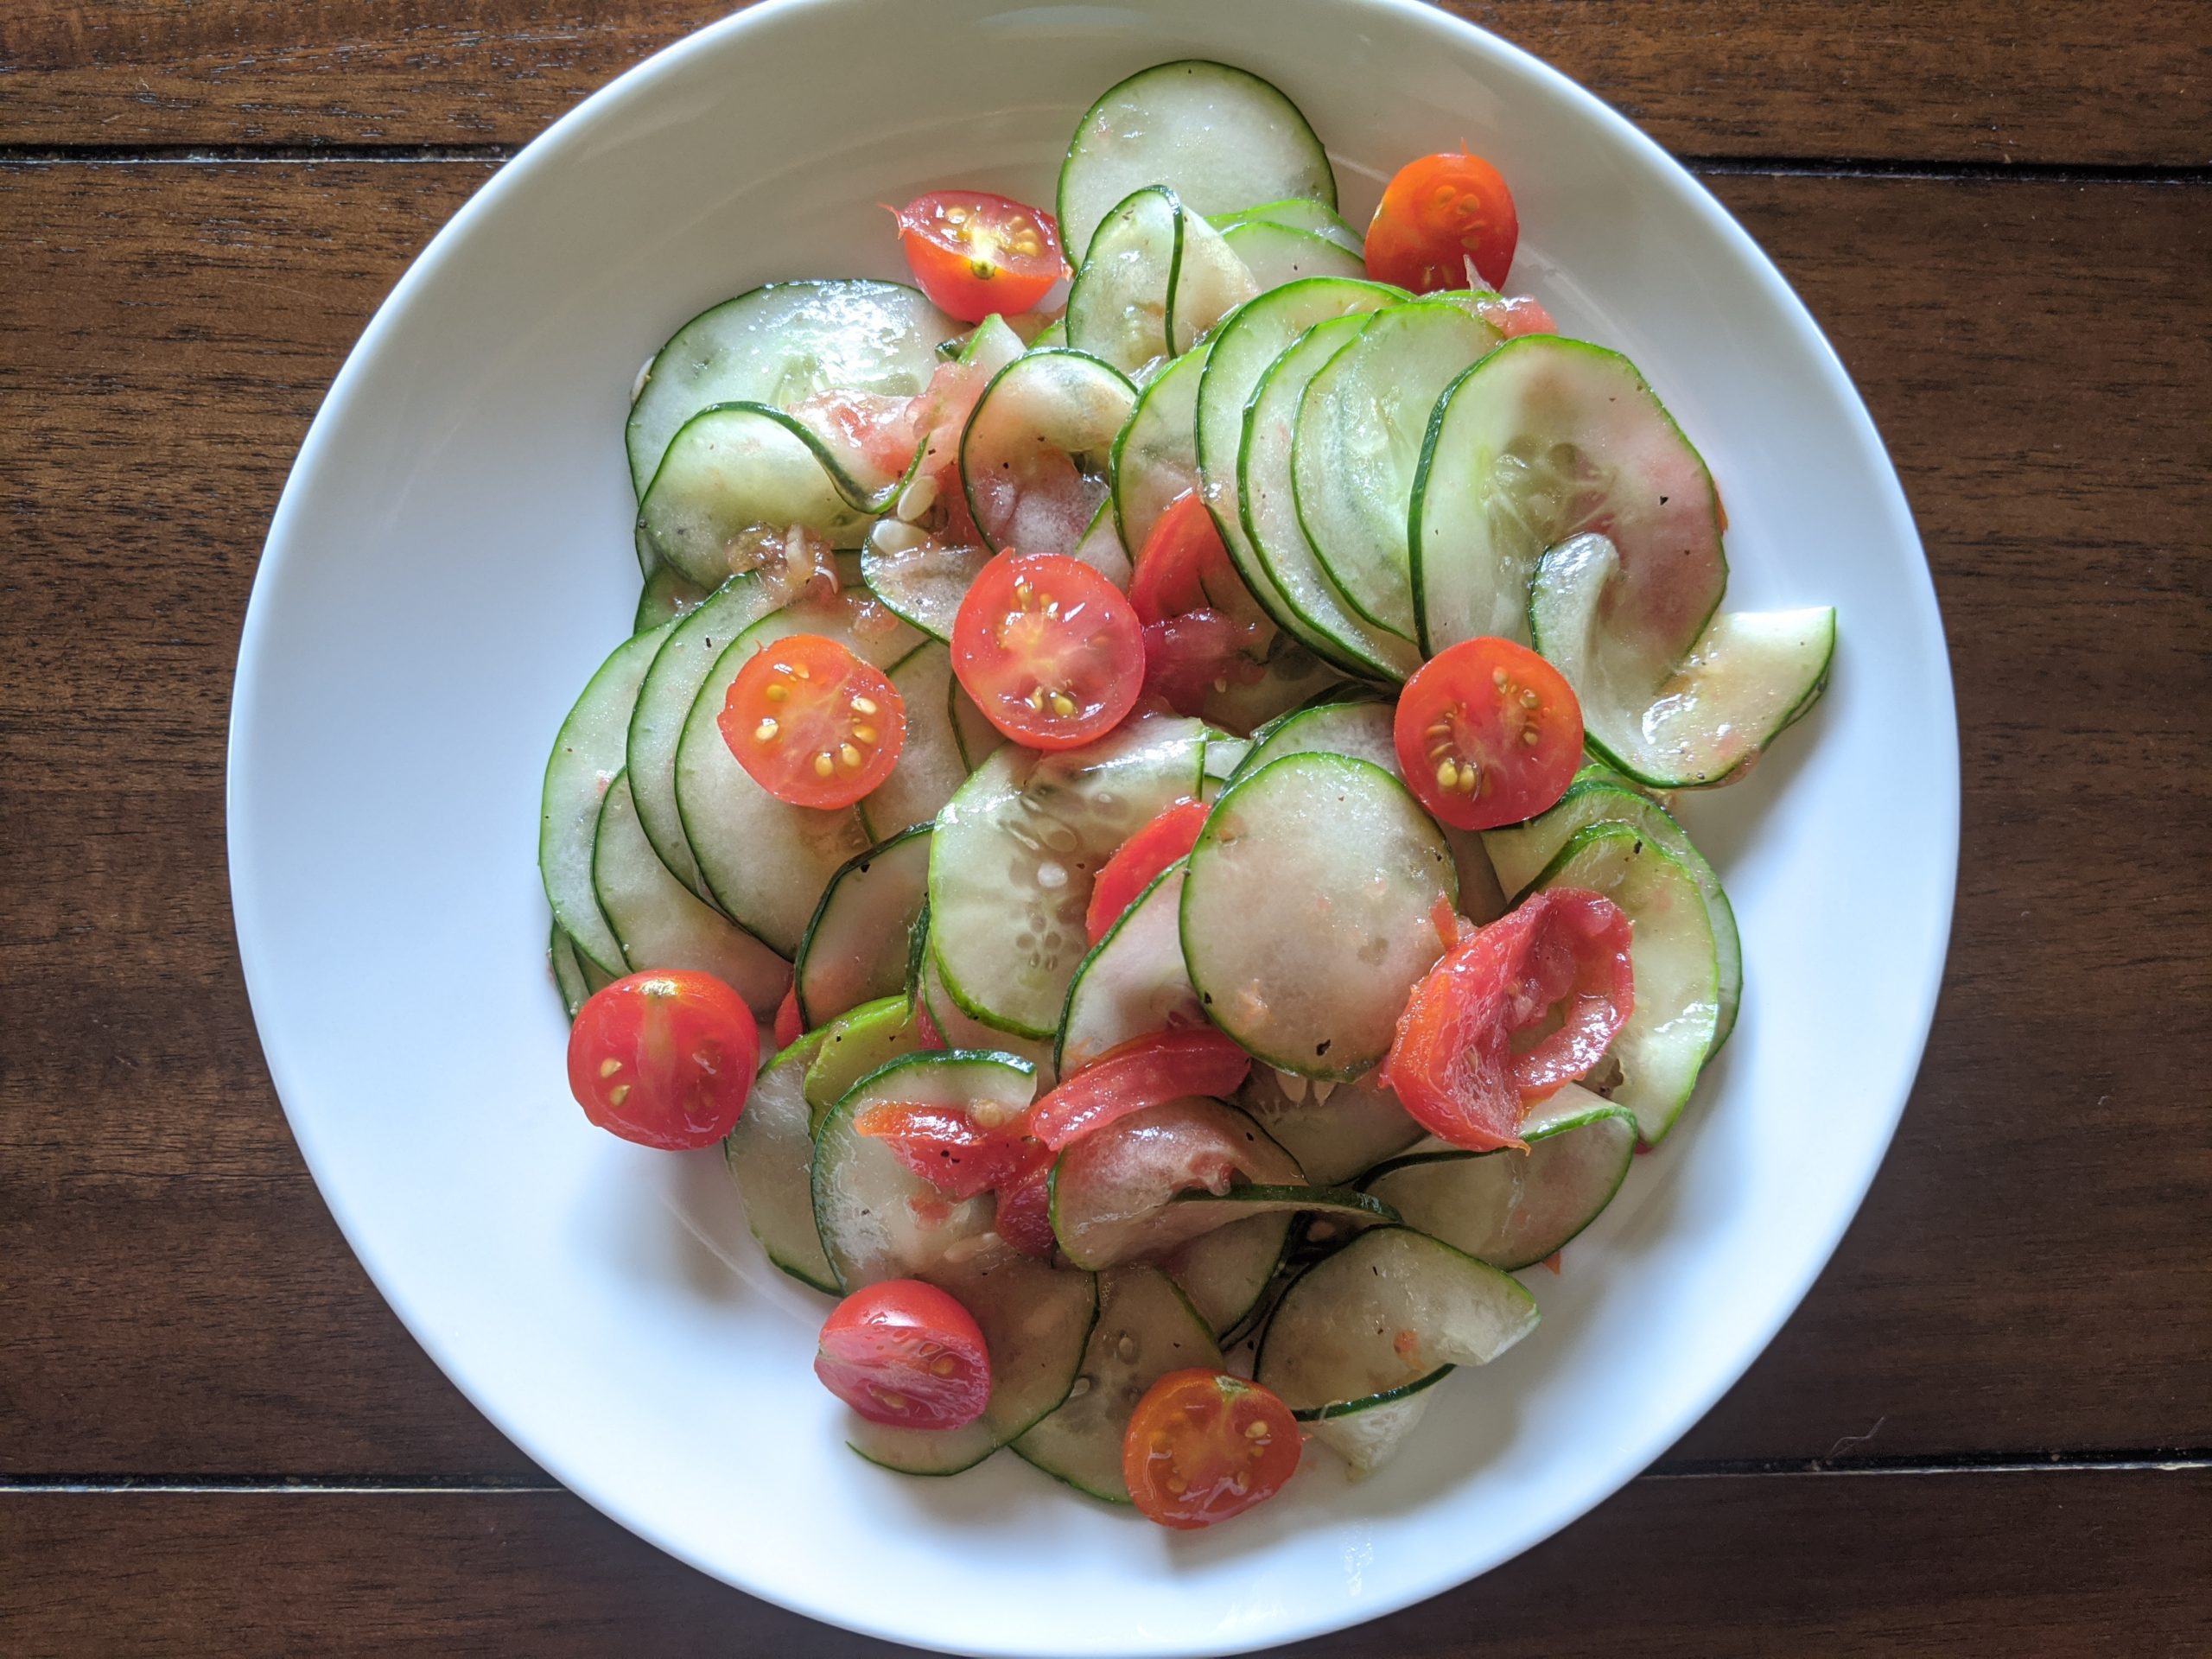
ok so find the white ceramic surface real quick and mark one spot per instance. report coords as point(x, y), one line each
point(451, 558)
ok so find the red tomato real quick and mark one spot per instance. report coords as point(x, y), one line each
point(946, 1147)
point(664, 1059)
point(1188, 656)
point(1024, 1217)
point(1183, 566)
point(883, 431)
point(812, 723)
point(1438, 213)
point(975, 253)
point(1204, 1446)
point(1138, 860)
point(1049, 650)
point(906, 1353)
point(790, 1024)
point(1453, 1064)
point(1488, 732)
point(1517, 314)
point(1142, 1072)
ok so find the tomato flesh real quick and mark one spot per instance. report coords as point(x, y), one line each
point(811, 723)
point(1134, 864)
point(1048, 649)
point(665, 1059)
point(946, 1146)
point(1202, 627)
point(1438, 214)
point(1024, 1216)
point(790, 1024)
point(1204, 1446)
point(1142, 1072)
point(1488, 732)
point(1188, 656)
point(1183, 565)
point(906, 1353)
point(1475, 1047)
point(973, 253)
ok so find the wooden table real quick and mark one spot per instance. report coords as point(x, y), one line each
point(1988, 1431)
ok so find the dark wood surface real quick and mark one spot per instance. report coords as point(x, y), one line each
point(2027, 1284)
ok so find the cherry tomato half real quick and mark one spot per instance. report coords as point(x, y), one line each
point(975, 253)
point(906, 1353)
point(1048, 649)
point(1488, 732)
point(1453, 1064)
point(664, 1058)
point(1439, 212)
point(812, 723)
point(1142, 1072)
point(1125, 876)
point(1205, 1446)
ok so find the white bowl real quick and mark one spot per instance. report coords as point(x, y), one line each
point(451, 559)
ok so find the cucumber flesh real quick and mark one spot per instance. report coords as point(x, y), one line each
point(929, 767)
point(1671, 1029)
point(568, 971)
point(736, 478)
point(1147, 1328)
point(919, 579)
point(1368, 1433)
point(1298, 213)
point(1308, 912)
point(1034, 453)
point(1113, 1188)
point(1336, 1131)
point(1154, 460)
point(1703, 721)
point(972, 731)
point(856, 947)
point(1277, 254)
point(1132, 981)
point(856, 1045)
point(960, 1029)
point(1154, 278)
point(1226, 1273)
point(664, 597)
point(1100, 546)
point(771, 1156)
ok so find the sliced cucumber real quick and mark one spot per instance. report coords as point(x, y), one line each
point(1132, 981)
point(1054, 333)
point(1289, 675)
point(1268, 501)
point(1336, 1131)
point(1034, 453)
point(972, 732)
point(664, 597)
point(587, 755)
point(771, 1155)
point(1226, 1273)
point(778, 345)
point(1514, 1208)
point(1014, 853)
point(1541, 440)
point(1154, 457)
point(857, 1043)
point(1100, 546)
point(662, 924)
point(1373, 1326)
point(1154, 278)
point(1298, 213)
point(920, 580)
point(1360, 426)
point(664, 700)
point(1147, 1328)
point(1520, 851)
point(856, 946)
point(930, 767)
point(1307, 911)
point(1276, 254)
point(737, 472)
point(1676, 1017)
point(961, 1030)
point(1700, 721)
point(1221, 139)
point(568, 970)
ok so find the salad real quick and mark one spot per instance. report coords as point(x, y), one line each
point(1173, 783)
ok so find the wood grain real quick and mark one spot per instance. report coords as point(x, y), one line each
point(2046, 1564)
point(1980, 80)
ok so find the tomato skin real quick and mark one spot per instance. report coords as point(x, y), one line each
point(1488, 732)
point(1437, 213)
point(1186, 656)
point(1183, 565)
point(906, 1353)
point(1140, 1073)
point(1204, 1446)
point(1024, 1216)
point(946, 1147)
point(1452, 1063)
point(811, 723)
point(1138, 860)
point(790, 1024)
point(664, 1059)
point(973, 253)
point(1048, 649)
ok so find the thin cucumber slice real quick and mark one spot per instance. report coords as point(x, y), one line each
point(1520, 851)
point(1360, 426)
point(1154, 458)
point(1222, 755)
point(587, 755)
point(856, 1045)
point(568, 970)
point(1336, 1131)
point(1221, 139)
point(961, 1030)
point(1298, 213)
point(1100, 546)
point(1132, 981)
point(1700, 721)
point(1268, 501)
point(1288, 676)
point(1276, 254)
point(1674, 1023)
point(1034, 453)
point(1054, 333)
point(1147, 1328)
point(664, 700)
point(662, 924)
point(976, 739)
point(666, 596)
point(929, 768)
point(1226, 1273)
point(779, 345)
point(771, 1156)
point(1307, 911)
point(1154, 278)
point(736, 477)
point(1365, 1328)
point(1514, 1208)
point(856, 948)
point(920, 580)
point(1541, 440)
point(1014, 853)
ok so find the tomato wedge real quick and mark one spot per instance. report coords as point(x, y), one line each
point(1183, 566)
point(790, 1024)
point(811, 723)
point(906, 1353)
point(1488, 732)
point(1204, 1446)
point(975, 253)
point(946, 1146)
point(1024, 1216)
point(1439, 215)
point(1476, 1045)
point(1138, 860)
point(1048, 649)
point(1142, 1072)
point(1188, 656)
point(665, 1059)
